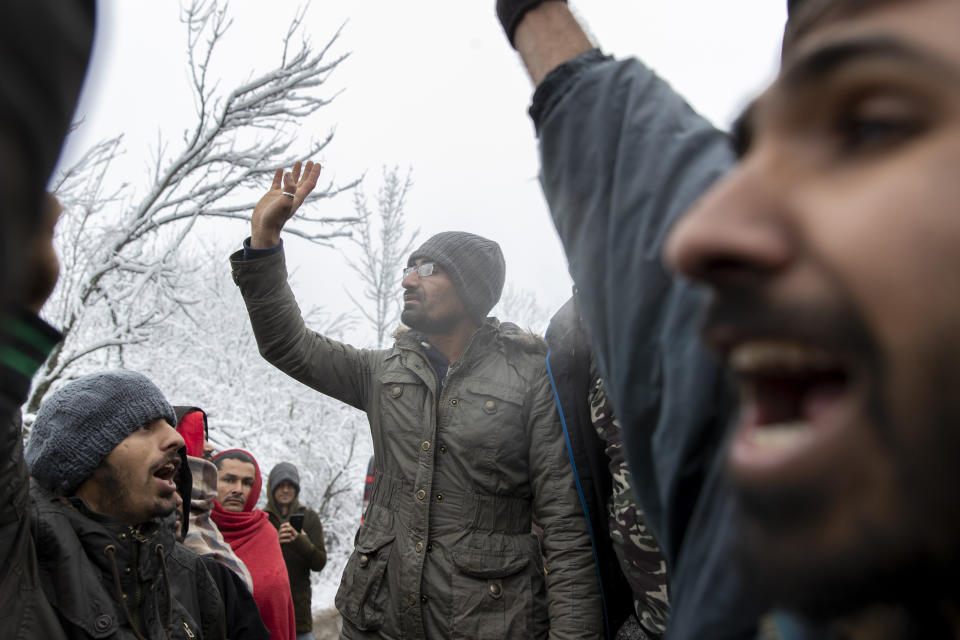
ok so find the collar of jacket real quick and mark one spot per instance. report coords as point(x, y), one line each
point(492, 331)
point(95, 532)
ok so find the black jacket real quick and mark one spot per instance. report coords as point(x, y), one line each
point(103, 578)
point(240, 609)
point(569, 369)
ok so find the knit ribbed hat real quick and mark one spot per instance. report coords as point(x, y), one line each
point(283, 471)
point(82, 422)
point(475, 266)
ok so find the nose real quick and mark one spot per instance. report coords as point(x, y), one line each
point(738, 230)
point(171, 439)
point(410, 280)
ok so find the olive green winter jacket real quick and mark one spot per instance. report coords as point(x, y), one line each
point(446, 549)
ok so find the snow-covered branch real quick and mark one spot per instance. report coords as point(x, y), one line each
point(121, 245)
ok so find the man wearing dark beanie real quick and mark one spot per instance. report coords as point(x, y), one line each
point(106, 463)
point(467, 441)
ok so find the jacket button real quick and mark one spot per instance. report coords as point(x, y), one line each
point(489, 405)
point(421, 494)
point(439, 497)
point(443, 448)
point(419, 547)
point(364, 560)
point(494, 589)
point(423, 599)
point(426, 445)
point(454, 402)
point(102, 623)
point(429, 547)
point(412, 598)
point(396, 391)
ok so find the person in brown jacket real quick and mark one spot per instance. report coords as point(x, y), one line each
point(301, 539)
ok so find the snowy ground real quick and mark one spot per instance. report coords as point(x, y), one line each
point(326, 624)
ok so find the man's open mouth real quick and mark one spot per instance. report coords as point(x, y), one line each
point(167, 472)
point(792, 395)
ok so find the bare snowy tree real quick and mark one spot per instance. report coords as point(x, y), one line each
point(384, 246)
point(122, 276)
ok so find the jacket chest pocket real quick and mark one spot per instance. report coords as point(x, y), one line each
point(402, 401)
point(490, 418)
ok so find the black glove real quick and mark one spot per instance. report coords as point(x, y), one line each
point(510, 12)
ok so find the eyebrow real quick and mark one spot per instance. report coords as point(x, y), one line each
point(816, 66)
point(820, 63)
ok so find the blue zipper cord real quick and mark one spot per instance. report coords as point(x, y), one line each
point(583, 500)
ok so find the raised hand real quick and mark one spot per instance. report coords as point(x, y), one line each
point(281, 202)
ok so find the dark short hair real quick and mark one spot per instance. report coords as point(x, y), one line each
point(233, 455)
point(806, 15)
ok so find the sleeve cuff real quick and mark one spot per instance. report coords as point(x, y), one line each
point(249, 253)
point(302, 544)
point(555, 85)
point(25, 343)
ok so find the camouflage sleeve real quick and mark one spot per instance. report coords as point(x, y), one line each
point(639, 554)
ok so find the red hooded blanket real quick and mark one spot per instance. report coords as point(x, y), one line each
point(252, 537)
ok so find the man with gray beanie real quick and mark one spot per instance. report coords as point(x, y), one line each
point(467, 440)
point(106, 464)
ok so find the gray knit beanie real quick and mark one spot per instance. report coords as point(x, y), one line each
point(283, 471)
point(80, 424)
point(474, 264)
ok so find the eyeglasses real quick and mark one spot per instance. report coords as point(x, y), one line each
point(423, 270)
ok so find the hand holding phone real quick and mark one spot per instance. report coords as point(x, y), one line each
point(296, 521)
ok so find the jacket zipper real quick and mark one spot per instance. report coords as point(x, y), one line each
point(137, 591)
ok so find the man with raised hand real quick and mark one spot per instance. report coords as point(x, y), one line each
point(828, 253)
point(467, 440)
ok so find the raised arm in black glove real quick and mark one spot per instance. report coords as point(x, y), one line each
point(510, 13)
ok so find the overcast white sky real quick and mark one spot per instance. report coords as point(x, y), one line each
point(430, 84)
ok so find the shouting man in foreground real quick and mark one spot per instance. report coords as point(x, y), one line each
point(830, 253)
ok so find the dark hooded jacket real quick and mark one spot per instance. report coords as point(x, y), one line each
point(62, 566)
point(86, 559)
point(305, 554)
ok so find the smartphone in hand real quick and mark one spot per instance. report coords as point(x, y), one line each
point(296, 521)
